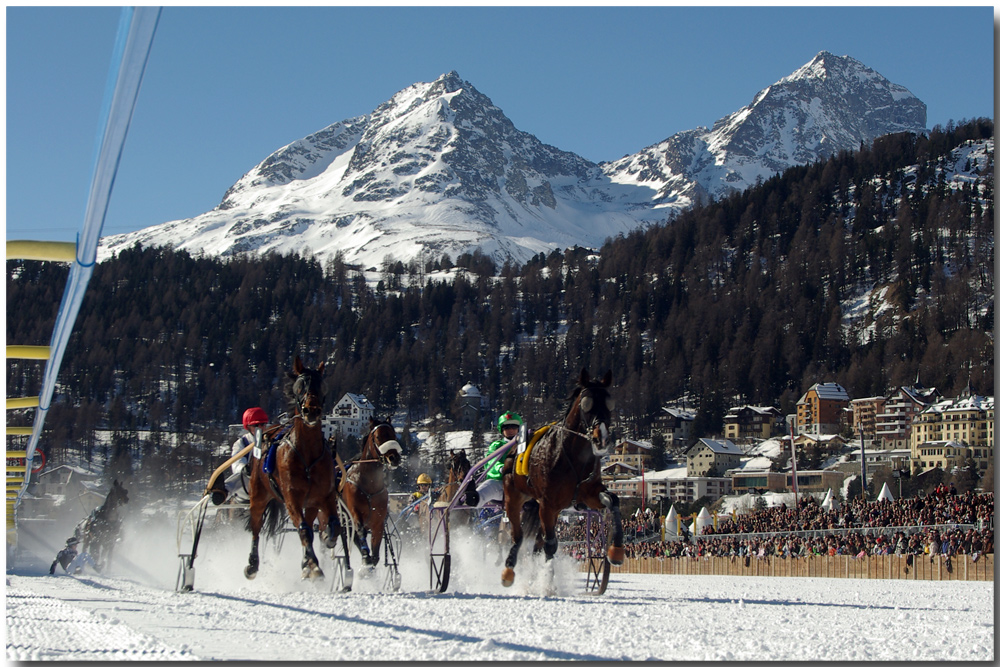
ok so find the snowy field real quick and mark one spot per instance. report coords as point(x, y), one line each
point(131, 612)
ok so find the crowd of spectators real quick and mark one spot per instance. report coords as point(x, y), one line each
point(900, 527)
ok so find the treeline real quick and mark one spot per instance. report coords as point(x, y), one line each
point(746, 300)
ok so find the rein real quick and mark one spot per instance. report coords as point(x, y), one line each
point(563, 430)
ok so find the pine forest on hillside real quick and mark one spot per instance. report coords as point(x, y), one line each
point(750, 299)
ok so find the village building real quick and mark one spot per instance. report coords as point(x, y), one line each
point(674, 424)
point(349, 416)
point(822, 409)
point(966, 421)
point(761, 481)
point(711, 458)
point(747, 423)
point(892, 428)
point(468, 407)
point(637, 454)
point(863, 415)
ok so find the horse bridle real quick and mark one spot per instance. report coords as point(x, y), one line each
point(382, 449)
point(305, 396)
point(596, 428)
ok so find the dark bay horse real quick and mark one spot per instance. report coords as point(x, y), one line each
point(364, 489)
point(100, 530)
point(564, 470)
point(302, 478)
point(458, 467)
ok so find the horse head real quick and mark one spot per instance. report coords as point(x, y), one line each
point(594, 405)
point(460, 466)
point(119, 492)
point(304, 389)
point(382, 443)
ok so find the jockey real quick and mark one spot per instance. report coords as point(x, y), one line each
point(423, 488)
point(254, 421)
point(71, 560)
point(508, 425)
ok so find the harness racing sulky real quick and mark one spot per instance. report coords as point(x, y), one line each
point(556, 470)
point(366, 496)
point(294, 476)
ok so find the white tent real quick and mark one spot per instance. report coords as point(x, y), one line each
point(885, 493)
point(703, 519)
point(830, 503)
point(670, 523)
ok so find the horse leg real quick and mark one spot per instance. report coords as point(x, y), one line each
point(378, 526)
point(361, 542)
point(256, 521)
point(512, 505)
point(548, 515)
point(310, 564)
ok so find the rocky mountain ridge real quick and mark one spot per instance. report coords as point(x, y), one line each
point(438, 168)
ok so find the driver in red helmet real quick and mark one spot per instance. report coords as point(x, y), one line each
point(254, 421)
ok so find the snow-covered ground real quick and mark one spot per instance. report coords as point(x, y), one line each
point(131, 612)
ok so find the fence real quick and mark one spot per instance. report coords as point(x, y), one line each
point(922, 567)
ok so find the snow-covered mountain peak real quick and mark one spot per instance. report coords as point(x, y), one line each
point(438, 168)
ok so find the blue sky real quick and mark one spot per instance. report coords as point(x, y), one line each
point(227, 86)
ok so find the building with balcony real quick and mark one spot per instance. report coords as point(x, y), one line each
point(349, 416)
point(892, 427)
point(966, 421)
point(821, 409)
point(675, 426)
point(863, 413)
point(751, 422)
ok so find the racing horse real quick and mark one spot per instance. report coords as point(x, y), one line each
point(101, 528)
point(302, 477)
point(458, 467)
point(364, 489)
point(564, 470)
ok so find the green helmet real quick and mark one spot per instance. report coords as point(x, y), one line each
point(509, 418)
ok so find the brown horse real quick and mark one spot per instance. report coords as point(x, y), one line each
point(458, 467)
point(364, 490)
point(302, 477)
point(564, 470)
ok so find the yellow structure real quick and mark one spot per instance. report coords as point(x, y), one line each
point(950, 430)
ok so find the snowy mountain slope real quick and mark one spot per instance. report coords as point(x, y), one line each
point(439, 168)
point(832, 103)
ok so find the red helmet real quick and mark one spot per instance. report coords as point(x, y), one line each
point(254, 416)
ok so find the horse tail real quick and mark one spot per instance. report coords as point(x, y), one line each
point(274, 512)
point(530, 522)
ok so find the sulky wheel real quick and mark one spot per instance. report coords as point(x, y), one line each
point(392, 547)
point(343, 577)
point(598, 565)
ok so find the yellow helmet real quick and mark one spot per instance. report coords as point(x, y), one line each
point(424, 478)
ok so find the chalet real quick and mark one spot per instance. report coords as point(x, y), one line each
point(635, 453)
point(674, 424)
point(751, 422)
point(711, 458)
